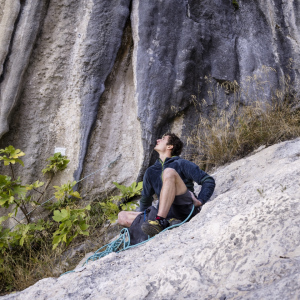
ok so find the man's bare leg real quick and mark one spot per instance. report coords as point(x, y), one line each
point(125, 218)
point(173, 186)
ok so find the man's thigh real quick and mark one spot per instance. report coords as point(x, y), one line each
point(125, 218)
point(180, 186)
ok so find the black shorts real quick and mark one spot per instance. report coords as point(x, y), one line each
point(182, 207)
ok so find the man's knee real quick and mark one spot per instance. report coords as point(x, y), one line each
point(125, 218)
point(169, 174)
point(122, 218)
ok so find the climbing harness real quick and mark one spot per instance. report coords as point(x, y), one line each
point(122, 243)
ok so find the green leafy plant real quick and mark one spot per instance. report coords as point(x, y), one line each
point(66, 190)
point(25, 233)
point(34, 185)
point(12, 192)
point(72, 222)
point(128, 192)
point(15, 194)
point(110, 210)
point(11, 155)
point(57, 163)
point(22, 247)
point(65, 195)
point(111, 207)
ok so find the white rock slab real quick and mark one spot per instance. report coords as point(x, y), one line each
point(245, 244)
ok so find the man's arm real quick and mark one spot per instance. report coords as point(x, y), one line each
point(147, 193)
point(193, 172)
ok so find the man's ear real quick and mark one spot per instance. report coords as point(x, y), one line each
point(169, 147)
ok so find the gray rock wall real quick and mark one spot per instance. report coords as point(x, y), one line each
point(8, 16)
point(105, 78)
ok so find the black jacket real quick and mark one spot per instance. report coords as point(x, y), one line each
point(188, 171)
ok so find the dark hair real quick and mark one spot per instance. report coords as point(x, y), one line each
point(174, 141)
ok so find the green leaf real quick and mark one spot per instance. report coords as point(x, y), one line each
point(75, 194)
point(20, 190)
point(2, 202)
point(38, 227)
point(55, 242)
point(21, 242)
point(128, 206)
point(60, 216)
point(64, 238)
point(4, 179)
point(56, 239)
point(4, 218)
point(140, 185)
point(35, 185)
point(68, 223)
point(57, 163)
point(11, 155)
point(122, 188)
point(83, 226)
point(19, 161)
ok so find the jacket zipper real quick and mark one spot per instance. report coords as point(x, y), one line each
point(162, 170)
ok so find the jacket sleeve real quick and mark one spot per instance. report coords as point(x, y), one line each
point(193, 172)
point(147, 193)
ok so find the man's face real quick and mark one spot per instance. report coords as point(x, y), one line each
point(161, 144)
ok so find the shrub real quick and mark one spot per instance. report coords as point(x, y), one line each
point(32, 248)
point(22, 246)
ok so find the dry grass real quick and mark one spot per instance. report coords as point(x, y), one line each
point(234, 132)
point(225, 140)
point(23, 268)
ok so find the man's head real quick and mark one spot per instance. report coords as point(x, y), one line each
point(169, 142)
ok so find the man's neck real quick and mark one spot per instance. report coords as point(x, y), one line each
point(164, 156)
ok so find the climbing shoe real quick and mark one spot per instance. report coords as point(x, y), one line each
point(152, 228)
point(174, 221)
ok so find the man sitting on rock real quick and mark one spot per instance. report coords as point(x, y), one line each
point(171, 179)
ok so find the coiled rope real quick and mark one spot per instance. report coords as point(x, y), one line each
point(122, 243)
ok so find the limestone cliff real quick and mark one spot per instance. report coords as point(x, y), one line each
point(244, 244)
point(103, 79)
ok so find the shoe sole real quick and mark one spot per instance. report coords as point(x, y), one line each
point(150, 230)
point(175, 223)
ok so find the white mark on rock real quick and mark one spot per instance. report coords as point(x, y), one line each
point(150, 51)
point(61, 150)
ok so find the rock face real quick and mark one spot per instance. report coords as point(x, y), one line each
point(104, 79)
point(244, 244)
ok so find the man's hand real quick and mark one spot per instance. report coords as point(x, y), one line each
point(197, 203)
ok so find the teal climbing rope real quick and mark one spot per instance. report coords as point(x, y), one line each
point(122, 243)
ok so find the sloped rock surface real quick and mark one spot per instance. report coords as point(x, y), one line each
point(245, 244)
